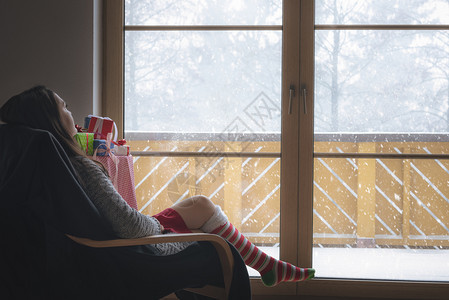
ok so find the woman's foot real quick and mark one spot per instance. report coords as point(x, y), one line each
point(282, 271)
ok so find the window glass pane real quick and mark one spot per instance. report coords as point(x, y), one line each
point(382, 81)
point(203, 12)
point(381, 91)
point(203, 82)
point(207, 92)
point(382, 12)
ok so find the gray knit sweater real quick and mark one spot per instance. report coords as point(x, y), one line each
point(125, 220)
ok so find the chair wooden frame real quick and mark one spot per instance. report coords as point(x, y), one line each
point(223, 250)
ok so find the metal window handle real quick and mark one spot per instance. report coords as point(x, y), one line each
point(290, 98)
point(304, 98)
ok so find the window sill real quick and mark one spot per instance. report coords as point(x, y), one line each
point(360, 289)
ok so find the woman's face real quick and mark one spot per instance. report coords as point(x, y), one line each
point(66, 116)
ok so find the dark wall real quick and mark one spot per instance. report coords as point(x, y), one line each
point(51, 42)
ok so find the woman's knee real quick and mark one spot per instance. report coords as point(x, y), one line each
point(196, 203)
point(195, 211)
point(203, 203)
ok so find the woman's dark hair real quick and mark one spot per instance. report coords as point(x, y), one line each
point(38, 108)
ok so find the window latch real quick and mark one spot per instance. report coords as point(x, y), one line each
point(304, 98)
point(290, 98)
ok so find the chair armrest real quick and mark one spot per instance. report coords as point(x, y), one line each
point(221, 246)
point(152, 239)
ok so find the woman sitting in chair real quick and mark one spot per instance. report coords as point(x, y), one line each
point(41, 108)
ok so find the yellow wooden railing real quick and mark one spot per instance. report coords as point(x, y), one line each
point(357, 201)
point(391, 202)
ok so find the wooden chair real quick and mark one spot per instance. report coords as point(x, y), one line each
point(223, 250)
point(34, 247)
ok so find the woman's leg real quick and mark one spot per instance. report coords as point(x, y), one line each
point(201, 213)
point(272, 271)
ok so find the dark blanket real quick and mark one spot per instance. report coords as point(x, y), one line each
point(41, 200)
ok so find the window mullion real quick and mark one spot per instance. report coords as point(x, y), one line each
point(112, 83)
point(289, 141)
point(306, 73)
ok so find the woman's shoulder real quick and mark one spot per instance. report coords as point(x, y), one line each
point(84, 163)
point(87, 168)
point(82, 160)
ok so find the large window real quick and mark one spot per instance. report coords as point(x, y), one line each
point(319, 126)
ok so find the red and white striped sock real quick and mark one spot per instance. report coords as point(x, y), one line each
point(272, 271)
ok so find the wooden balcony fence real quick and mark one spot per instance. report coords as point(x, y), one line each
point(365, 202)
